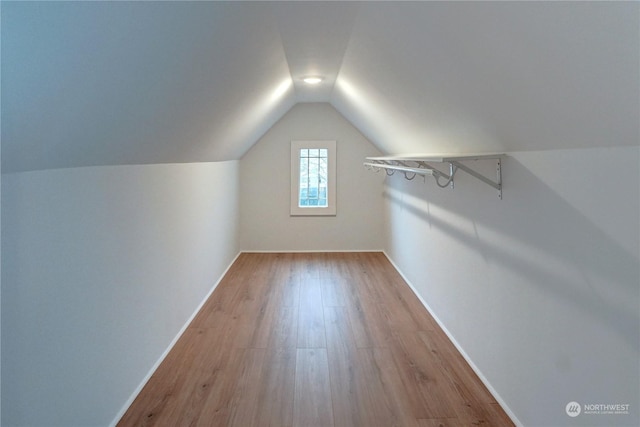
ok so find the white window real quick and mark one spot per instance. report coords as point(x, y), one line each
point(313, 177)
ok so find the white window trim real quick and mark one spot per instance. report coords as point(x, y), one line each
point(329, 210)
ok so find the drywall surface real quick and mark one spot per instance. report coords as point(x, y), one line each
point(492, 76)
point(112, 83)
point(0, 279)
point(101, 268)
point(265, 176)
point(541, 289)
point(103, 83)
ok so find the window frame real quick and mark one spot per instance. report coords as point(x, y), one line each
point(330, 209)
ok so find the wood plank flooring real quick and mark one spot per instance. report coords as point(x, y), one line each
point(314, 340)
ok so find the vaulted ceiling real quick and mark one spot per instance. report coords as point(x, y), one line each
point(106, 83)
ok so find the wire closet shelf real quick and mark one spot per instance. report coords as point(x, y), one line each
point(411, 166)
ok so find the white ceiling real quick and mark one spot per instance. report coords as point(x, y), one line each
point(103, 83)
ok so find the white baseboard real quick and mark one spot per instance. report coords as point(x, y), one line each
point(169, 347)
point(310, 251)
point(466, 357)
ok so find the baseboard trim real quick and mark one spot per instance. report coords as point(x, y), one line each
point(155, 366)
point(465, 356)
point(310, 251)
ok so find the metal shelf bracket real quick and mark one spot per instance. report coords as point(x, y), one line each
point(495, 184)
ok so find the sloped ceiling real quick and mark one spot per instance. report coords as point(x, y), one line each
point(105, 83)
point(484, 76)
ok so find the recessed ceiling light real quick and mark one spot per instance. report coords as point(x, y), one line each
point(312, 80)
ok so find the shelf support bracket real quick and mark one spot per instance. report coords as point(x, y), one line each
point(495, 184)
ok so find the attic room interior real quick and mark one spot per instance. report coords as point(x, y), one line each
point(147, 167)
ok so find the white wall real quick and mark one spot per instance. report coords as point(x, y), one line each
point(0, 277)
point(101, 268)
point(541, 289)
point(265, 223)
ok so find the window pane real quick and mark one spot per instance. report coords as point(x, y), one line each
point(304, 171)
point(313, 166)
point(313, 191)
point(323, 170)
point(313, 176)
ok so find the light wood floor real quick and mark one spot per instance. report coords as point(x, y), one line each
point(311, 340)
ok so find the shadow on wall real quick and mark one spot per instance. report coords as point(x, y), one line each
point(540, 219)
